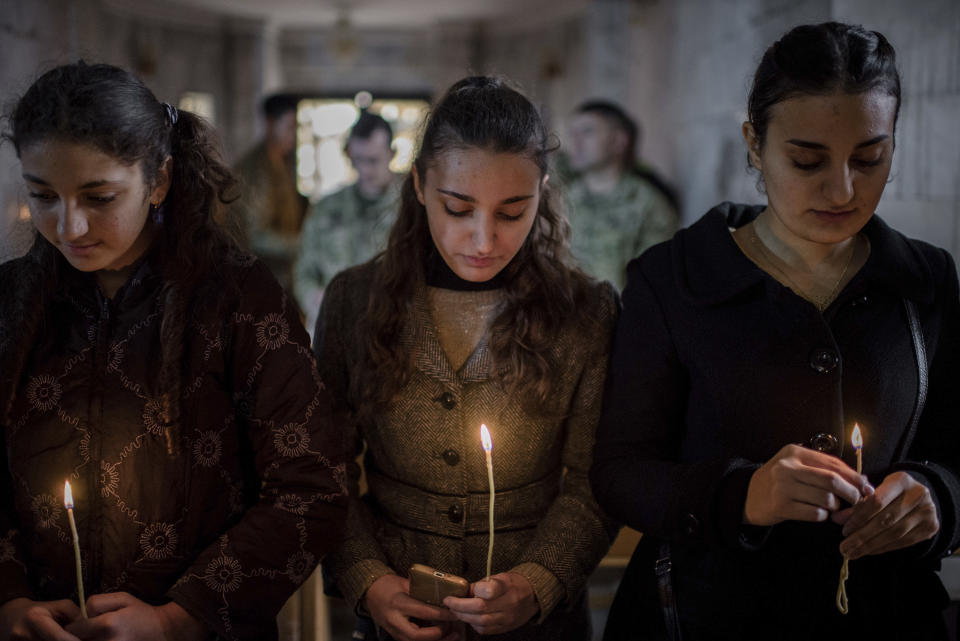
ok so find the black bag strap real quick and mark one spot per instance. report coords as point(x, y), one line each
point(662, 568)
point(920, 354)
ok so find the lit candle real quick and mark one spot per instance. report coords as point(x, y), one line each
point(68, 503)
point(487, 449)
point(856, 439)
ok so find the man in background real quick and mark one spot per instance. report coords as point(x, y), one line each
point(270, 210)
point(351, 225)
point(617, 209)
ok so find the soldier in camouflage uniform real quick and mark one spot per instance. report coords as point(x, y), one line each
point(270, 211)
point(616, 209)
point(350, 225)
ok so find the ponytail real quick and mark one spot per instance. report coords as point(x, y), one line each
point(112, 110)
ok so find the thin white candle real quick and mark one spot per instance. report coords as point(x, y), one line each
point(856, 439)
point(487, 449)
point(68, 503)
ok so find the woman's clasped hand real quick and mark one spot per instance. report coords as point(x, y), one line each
point(115, 616)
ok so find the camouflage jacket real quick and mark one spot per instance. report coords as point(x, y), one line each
point(341, 230)
point(608, 230)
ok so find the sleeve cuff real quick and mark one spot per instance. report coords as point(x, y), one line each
point(546, 587)
point(355, 580)
point(731, 497)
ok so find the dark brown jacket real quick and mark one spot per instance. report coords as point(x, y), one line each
point(226, 518)
point(428, 498)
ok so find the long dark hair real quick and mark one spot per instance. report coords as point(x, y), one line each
point(543, 290)
point(111, 110)
point(821, 59)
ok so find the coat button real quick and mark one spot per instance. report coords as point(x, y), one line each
point(861, 300)
point(447, 400)
point(691, 524)
point(455, 513)
point(823, 442)
point(824, 360)
point(451, 457)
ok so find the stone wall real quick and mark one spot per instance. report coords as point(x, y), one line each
point(681, 67)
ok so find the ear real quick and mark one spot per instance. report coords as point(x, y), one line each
point(544, 181)
point(753, 145)
point(416, 184)
point(162, 184)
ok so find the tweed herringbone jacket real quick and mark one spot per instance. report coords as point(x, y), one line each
point(428, 493)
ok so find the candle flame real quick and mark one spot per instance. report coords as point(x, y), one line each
point(485, 439)
point(67, 496)
point(856, 438)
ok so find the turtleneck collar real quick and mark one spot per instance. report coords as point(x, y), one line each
point(439, 274)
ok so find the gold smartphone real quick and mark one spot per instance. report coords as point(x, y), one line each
point(433, 586)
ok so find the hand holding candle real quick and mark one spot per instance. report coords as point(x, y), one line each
point(68, 503)
point(856, 439)
point(487, 449)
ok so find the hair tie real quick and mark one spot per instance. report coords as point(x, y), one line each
point(172, 113)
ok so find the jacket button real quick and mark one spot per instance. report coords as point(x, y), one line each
point(823, 442)
point(824, 360)
point(861, 300)
point(451, 457)
point(447, 400)
point(691, 524)
point(455, 513)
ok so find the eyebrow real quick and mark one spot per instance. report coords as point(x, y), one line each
point(90, 185)
point(806, 144)
point(471, 199)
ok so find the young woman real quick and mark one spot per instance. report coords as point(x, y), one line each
point(744, 359)
point(473, 315)
point(159, 371)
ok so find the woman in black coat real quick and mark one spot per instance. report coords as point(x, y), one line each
point(748, 348)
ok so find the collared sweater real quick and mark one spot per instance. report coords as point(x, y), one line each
point(425, 468)
point(225, 511)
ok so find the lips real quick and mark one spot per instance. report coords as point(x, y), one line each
point(80, 249)
point(478, 261)
point(834, 215)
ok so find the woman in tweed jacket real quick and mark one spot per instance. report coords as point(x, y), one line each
point(472, 315)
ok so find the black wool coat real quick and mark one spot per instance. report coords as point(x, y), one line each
point(716, 366)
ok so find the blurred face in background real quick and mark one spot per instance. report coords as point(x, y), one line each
point(282, 133)
point(594, 143)
point(371, 158)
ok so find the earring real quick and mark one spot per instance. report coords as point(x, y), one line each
point(155, 210)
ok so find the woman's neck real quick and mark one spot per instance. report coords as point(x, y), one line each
point(439, 274)
point(111, 280)
point(798, 253)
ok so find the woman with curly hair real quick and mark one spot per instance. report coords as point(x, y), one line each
point(472, 315)
point(161, 372)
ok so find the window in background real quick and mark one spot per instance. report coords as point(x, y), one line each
point(199, 103)
point(323, 126)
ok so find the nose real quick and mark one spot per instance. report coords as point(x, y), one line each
point(484, 234)
point(838, 186)
point(71, 223)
